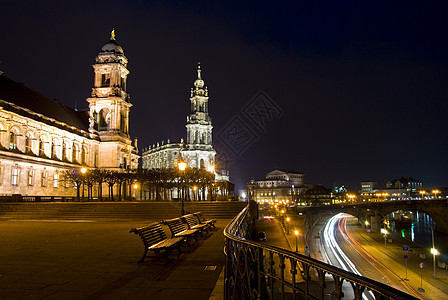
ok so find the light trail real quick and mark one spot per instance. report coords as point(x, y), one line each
point(329, 238)
point(371, 259)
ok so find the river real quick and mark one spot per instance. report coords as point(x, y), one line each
point(416, 227)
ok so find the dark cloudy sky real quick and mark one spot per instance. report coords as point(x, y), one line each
point(362, 84)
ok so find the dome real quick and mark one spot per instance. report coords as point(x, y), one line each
point(112, 46)
point(199, 83)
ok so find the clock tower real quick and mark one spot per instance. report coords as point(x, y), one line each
point(109, 107)
point(199, 151)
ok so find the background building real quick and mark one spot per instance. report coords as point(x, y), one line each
point(279, 187)
point(41, 139)
point(397, 189)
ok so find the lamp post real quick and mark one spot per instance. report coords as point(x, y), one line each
point(385, 232)
point(296, 233)
point(194, 195)
point(423, 194)
point(287, 225)
point(182, 166)
point(434, 252)
point(83, 172)
point(435, 192)
point(135, 186)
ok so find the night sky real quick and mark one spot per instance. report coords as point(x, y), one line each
point(360, 86)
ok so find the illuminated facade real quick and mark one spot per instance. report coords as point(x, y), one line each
point(41, 138)
point(278, 187)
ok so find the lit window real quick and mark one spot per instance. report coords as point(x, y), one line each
point(67, 181)
point(15, 176)
point(12, 141)
point(55, 180)
point(27, 144)
point(30, 175)
point(44, 178)
point(41, 147)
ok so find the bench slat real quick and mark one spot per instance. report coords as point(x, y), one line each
point(154, 238)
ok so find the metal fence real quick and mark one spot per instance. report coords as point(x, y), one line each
point(255, 270)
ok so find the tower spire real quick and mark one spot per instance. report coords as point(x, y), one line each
point(112, 34)
point(199, 70)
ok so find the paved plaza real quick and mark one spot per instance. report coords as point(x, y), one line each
point(97, 259)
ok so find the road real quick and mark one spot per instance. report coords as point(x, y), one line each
point(344, 244)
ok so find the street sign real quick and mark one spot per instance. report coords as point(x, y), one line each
point(421, 265)
point(405, 256)
point(405, 248)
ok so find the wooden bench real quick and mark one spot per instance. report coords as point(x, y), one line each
point(193, 223)
point(202, 220)
point(154, 238)
point(178, 229)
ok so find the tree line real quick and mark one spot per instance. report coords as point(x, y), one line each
point(149, 184)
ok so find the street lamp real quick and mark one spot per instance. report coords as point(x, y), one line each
point(423, 194)
point(135, 186)
point(83, 172)
point(182, 166)
point(287, 225)
point(194, 189)
point(434, 251)
point(435, 192)
point(296, 233)
point(351, 196)
point(385, 232)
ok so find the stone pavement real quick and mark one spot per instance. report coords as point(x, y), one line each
point(97, 259)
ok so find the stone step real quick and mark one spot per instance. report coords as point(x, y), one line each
point(127, 210)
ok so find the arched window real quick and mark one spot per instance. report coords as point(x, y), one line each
point(53, 150)
point(41, 147)
point(105, 79)
point(27, 144)
point(83, 155)
point(103, 119)
point(202, 164)
point(74, 153)
point(12, 140)
point(64, 150)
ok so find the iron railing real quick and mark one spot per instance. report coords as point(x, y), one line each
point(255, 270)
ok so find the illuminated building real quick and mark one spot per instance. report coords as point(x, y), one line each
point(279, 187)
point(398, 189)
point(197, 150)
point(40, 138)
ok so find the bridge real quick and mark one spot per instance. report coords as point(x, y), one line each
point(256, 270)
point(373, 211)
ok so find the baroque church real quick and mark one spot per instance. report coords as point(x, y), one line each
point(197, 151)
point(40, 138)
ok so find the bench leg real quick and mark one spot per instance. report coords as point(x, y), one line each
point(144, 255)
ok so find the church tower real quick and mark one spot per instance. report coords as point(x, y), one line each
point(109, 107)
point(199, 151)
